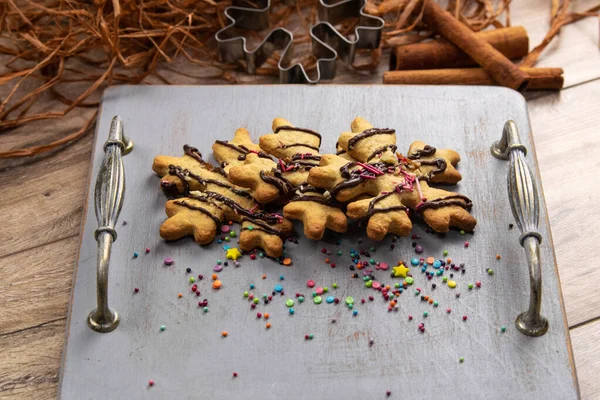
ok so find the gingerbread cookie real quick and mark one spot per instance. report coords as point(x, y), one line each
point(385, 214)
point(434, 165)
point(234, 152)
point(264, 234)
point(368, 144)
point(262, 176)
point(288, 140)
point(199, 217)
point(316, 212)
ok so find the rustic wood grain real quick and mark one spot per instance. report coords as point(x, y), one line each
point(36, 284)
point(30, 361)
point(586, 347)
point(565, 127)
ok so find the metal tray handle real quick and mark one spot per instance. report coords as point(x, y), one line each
point(108, 199)
point(525, 205)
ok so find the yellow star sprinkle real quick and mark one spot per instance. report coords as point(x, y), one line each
point(400, 271)
point(233, 254)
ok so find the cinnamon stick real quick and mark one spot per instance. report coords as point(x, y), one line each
point(539, 78)
point(513, 42)
point(499, 68)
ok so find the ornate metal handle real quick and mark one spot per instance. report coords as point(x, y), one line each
point(108, 198)
point(525, 205)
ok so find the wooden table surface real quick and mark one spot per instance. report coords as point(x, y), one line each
point(43, 203)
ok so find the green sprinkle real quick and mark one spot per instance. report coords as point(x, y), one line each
point(219, 262)
point(409, 280)
point(435, 304)
point(339, 253)
point(325, 289)
point(425, 314)
point(311, 336)
point(205, 309)
point(246, 294)
point(445, 253)
point(490, 271)
point(192, 279)
point(372, 262)
point(227, 238)
point(318, 300)
point(289, 302)
point(314, 294)
point(417, 293)
point(470, 286)
point(461, 360)
point(301, 299)
point(265, 296)
point(445, 279)
point(250, 227)
point(350, 306)
point(391, 295)
point(349, 300)
point(162, 328)
point(232, 234)
point(369, 283)
point(261, 254)
point(335, 285)
point(397, 285)
point(256, 300)
point(462, 232)
point(503, 328)
point(366, 278)
point(372, 248)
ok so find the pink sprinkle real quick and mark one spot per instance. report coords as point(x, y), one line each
point(383, 266)
point(319, 290)
point(147, 250)
point(466, 244)
point(151, 382)
point(168, 261)
point(464, 317)
point(367, 176)
point(410, 317)
point(478, 284)
point(376, 285)
point(225, 228)
point(448, 310)
point(310, 283)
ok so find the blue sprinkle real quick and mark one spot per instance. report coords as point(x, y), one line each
point(329, 299)
point(292, 311)
point(355, 312)
point(226, 247)
point(278, 288)
point(400, 290)
point(281, 277)
point(135, 254)
point(423, 269)
point(252, 286)
point(437, 264)
point(414, 261)
point(219, 241)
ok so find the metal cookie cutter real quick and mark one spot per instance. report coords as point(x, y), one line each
point(327, 42)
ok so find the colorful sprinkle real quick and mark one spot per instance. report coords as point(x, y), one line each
point(451, 284)
point(409, 280)
point(218, 268)
point(291, 310)
point(287, 261)
point(317, 300)
point(135, 254)
point(278, 288)
point(310, 283)
point(162, 328)
point(289, 302)
point(169, 261)
point(400, 271)
point(418, 249)
point(233, 253)
point(217, 284)
point(461, 360)
point(151, 382)
point(192, 279)
point(503, 328)
point(355, 312)
point(224, 333)
point(349, 300)
point(268, 325)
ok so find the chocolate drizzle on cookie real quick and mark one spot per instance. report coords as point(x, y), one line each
point(391, 147)
point(372, 210)
point(453, 200)
point(236, 207)
point(183, 174)
point(203, 210)
point(287, 146)
point(242, 149)
point(262, 227)
point(318, 197)
point(293, 128)
point(428, 151)
point(355, 177)
point(368, 133)
point(277, 180)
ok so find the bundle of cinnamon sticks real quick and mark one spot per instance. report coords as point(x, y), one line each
point(446, 63)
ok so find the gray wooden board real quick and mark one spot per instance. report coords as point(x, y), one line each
point(191, 360)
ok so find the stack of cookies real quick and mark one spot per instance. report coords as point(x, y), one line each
point(366, 180)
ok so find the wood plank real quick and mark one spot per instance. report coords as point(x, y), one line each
point(565, 129)
point(30, 362)
point(36, 284)
point(43, 201)
point(586, 347)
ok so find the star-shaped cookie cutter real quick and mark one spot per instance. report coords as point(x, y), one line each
point(327, 42)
